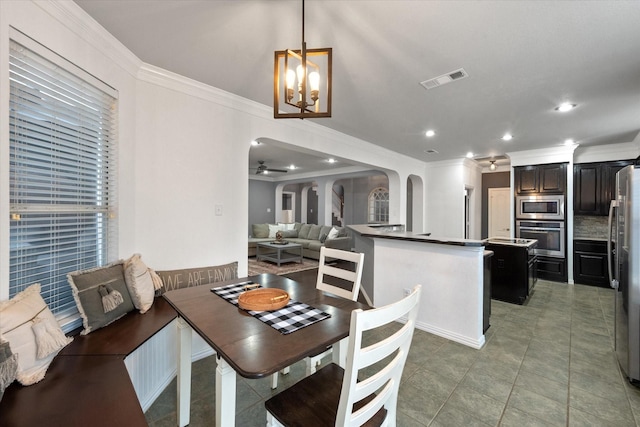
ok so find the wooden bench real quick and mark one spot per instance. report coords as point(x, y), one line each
point(88, 384)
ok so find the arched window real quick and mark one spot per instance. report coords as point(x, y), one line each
point(379, 205)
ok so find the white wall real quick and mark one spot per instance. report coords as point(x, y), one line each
point(444, 199)
point(472, 180)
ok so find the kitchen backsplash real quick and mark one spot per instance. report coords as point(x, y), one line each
point(590, 227)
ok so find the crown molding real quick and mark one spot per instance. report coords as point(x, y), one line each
point(542, 156)
point(609, 152)
point(88, 29)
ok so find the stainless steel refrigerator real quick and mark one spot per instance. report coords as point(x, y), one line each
point(624, 240)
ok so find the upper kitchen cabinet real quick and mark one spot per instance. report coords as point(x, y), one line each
point(594, 186)
point(540, 179)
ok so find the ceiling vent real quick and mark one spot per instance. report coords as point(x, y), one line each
point(458, 74)
point(430, 151)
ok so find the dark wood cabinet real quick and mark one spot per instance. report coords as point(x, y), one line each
point(550, 268)
point(594, 186)
point(510, 272)
point(541, 179)
point(587, 193)
point(590, 263)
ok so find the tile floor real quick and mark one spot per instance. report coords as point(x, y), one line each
point(547, 363)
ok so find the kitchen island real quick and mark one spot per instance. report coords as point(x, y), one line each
point(450, 271)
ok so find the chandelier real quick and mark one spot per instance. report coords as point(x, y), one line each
point(302, 82)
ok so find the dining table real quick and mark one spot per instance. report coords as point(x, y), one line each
point(248, 346)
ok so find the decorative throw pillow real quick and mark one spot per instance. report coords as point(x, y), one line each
point(333, 233)
point(304, 231)
point(314, 233)
point(101, 295)
point(260, 231)
point(289, 233)
point(8, 366)
point(285, 226)
point(33, 333)
point(323, 237)
point(273, 229)
point(139, 282)
point(188, 277)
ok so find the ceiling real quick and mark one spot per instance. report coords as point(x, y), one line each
point(523, 58)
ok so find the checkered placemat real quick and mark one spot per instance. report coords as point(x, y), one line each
point(293, 316)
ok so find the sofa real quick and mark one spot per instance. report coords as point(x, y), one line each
point(311, 236)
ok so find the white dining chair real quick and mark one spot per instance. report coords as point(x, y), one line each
point(330, 276)
point(366, 391)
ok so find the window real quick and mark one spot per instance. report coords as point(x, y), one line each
point(62, 175)
point(379, 205)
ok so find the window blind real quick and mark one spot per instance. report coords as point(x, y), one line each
point(62, 156)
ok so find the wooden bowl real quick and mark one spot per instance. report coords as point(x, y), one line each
point(264, 299)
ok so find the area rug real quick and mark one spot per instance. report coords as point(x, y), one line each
point(260, 267)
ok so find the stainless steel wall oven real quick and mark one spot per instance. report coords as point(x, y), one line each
point(549, 234)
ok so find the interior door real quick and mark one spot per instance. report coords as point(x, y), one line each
point(499, 212)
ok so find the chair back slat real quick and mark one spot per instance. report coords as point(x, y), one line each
point(385, 380)
point(354, 277)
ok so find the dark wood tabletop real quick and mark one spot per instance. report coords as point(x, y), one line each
point(253, 348)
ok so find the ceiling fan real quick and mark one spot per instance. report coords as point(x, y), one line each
point(262, 168)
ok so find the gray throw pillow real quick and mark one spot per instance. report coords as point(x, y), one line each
point(323, 237)
point(289, 233)
point(304, 231)
point(188, 277)
point(314, 233)
point(8, 366)
point(101, 294)
point(260, 231)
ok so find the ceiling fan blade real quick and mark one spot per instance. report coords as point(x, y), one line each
point(277, 170)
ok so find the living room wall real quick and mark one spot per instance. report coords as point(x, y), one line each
point(356, 196)
point(261, 202)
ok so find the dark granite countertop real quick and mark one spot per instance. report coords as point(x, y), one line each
point(388, 232)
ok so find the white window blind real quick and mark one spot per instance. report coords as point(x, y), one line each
point(62, 176)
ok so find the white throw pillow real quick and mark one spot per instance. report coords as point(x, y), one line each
point(273, 229)
point(139, 282)
point(333, 233)
point(33, 333)
point(287, 226)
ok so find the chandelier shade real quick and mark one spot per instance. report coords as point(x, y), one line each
point(302, 82)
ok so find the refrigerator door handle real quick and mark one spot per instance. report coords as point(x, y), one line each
point(612, 280)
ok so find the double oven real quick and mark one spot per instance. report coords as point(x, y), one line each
point(542, 217)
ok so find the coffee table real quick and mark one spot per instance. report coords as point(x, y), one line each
point(279, 253)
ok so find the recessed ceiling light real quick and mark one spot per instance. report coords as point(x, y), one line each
point(430, 133)
point(569, 142)
point(292, 167)
point(507, 137)
point(331, 160)
point(565, 106)
point(254, 143)
point(469, 155)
